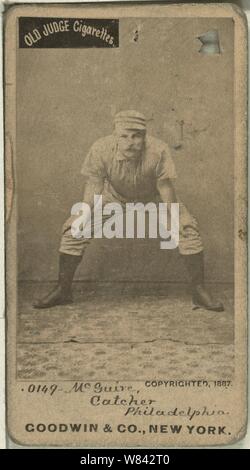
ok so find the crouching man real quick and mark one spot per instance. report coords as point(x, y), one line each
point(131, 166)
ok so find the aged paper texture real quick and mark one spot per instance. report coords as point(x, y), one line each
point(123, 329)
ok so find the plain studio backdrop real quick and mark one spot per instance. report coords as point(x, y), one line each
point(66, 99)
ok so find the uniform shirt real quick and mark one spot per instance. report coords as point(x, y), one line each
point(129, 179)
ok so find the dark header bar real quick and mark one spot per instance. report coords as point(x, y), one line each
point(68, 32)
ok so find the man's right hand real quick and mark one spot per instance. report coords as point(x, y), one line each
point(68, 223)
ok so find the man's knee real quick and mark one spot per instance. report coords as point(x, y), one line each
point(190, 241)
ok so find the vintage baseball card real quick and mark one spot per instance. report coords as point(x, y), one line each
point(126, 229)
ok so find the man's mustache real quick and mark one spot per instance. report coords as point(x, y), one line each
point(131, 147)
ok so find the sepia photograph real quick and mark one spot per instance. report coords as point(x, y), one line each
point(133, 124)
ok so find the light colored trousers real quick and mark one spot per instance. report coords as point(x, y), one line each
point(189, 236)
